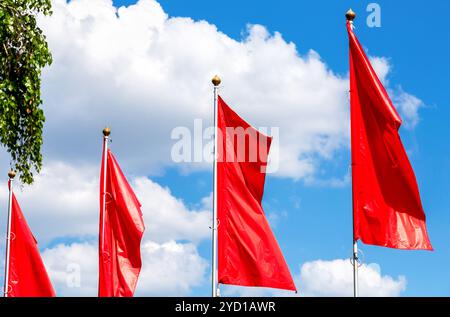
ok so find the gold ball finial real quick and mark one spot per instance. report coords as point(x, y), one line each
point(11, 174)
point(216, 80)
point(350, 15)
point(106, 131)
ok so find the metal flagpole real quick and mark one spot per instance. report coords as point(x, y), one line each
point(350, 16)
point(355, 268)
point(106, 133)
point(11, 175)
point(215, 290)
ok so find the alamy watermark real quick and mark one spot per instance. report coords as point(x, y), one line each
point(73, 275)
point(373, 20)
point(234, 145)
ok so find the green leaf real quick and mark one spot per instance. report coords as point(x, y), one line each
point(23, 53)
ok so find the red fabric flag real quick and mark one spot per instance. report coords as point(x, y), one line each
point(27, 276)
point(121, 230)
point(387, 209)
point(248, 253)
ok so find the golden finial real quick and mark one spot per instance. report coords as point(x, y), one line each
point(106, 131)
point(11, 174)
point(350, 15)
point(216, 80)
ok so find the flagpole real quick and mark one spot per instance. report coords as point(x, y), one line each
point(11, 175)
point(106, 133)
point(215, 290)
point(355, 269)
point(350, 16)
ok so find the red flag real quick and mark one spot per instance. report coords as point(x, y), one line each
point(387, 209)
point(121, 230)
point(27, 276)
point(248, 252)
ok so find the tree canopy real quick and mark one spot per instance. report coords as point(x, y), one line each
point(23, 54)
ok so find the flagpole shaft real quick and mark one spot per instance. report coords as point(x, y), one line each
point(106, 132)
point(214, 224)
point(355, 269)
point(355, 241)
point(350, 16)
point(214, 280)
point(8, 236)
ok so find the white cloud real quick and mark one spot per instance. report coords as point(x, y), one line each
point(335, 278)
point(168, 269)
point(331, 278)
point(64, 202)
point(207, 202)
point(381, 66)
point(409, 106)
point(167, 217)
point(145, 73)
point(73, 269)
point(171, 269)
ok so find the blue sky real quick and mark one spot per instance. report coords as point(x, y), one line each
point(311, 219)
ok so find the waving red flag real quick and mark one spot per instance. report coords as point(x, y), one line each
point(248, 252)
point(387, 207)
point(27, 276)
point(121, 230)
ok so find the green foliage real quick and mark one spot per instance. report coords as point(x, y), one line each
point(23, 53)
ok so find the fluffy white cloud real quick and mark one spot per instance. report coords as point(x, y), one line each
point(332, 278)
point(64, 202)
point(145, 73)
point(167, 217)
point(381, 67)
point(168, 269)
point(73, 269)
point(407, 104)
point(171, 269)
point(335, 278)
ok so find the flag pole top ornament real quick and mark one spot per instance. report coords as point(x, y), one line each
point(11, 174)
point(216, 80)
point(350, 15)
point(106, 132)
